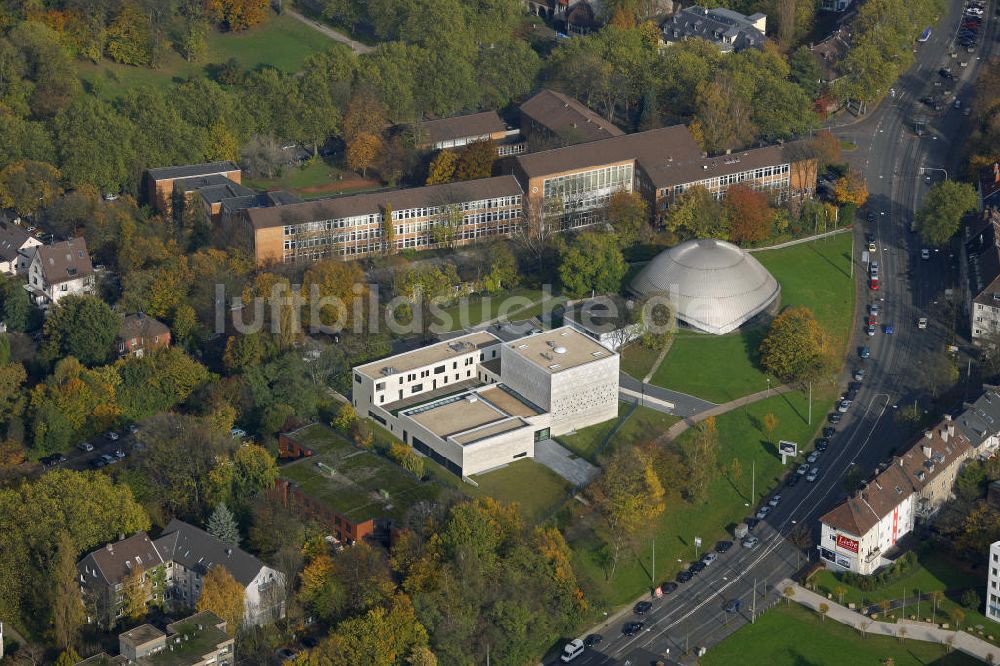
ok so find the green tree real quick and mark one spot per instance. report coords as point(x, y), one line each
point(222, 525)
point(795, 348)
point(254, 471)
point(128, 37)
point(83, 327)
point(805, 71)
point(941, 211)
point(28, 186)
point(592, 262)
point(137, 589)
point(628, 215)
point(95, 145)
point(384, 635)
point(68, 657)
point(15, 304)
point(504, 274)
point(701, 455)
point(475, 160)
point(697, 214)
point(345, 418)
point(442, 167)
point(67, 605)
point(505, 71)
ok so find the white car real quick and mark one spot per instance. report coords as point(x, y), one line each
point(85, 446)
point(775, 501)
point(844, 406)
point(812, 475)
point(925, 254)
point(571, 651)
point(762, 512)
point(708, 558)
point(750, 542)
point(922, 322)
point(812, 457)
point(802, 469)
point(30, 229)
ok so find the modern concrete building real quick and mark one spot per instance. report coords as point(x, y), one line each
point(160, 181)
point(354, 226)
point(474, 402)
point(860, 533)
point(607, 319)
point(713, 285)
point(199, 640)
point(729, 30)
point(993, 583)
point(59, 270)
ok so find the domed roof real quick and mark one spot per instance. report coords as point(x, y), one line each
point(715, 286)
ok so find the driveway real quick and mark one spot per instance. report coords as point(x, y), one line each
point(560, 460)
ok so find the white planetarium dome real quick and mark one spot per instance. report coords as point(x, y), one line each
point(715, 286)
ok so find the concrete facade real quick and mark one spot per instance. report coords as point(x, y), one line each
point(992, 610)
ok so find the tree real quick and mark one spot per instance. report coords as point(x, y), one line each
point(345, 418)
point(824, 608)
point(27, 186)
point(886, 606)
point(504, 274)
point(238, 15)
point(222, 525)
point(805, 71)
point(697, 214)
point(137, 588)
point(826, 149)
point(936, 597)
point(262, 156)
point(735, 470)
point(67, 606)
point(592, 263)
point(68, 657)
point(749, 215)
point(725, 114)
point(384, 635)
point(364, 115)
point(535, 230)
point(789, 594)
point(941, 211)
point(224, 596)
point(957, 616)
point(971, 600)
point(628, 215)
point(442, 167)
point(475, 160)
point(795, 348)
point(840, 591)
point(851, 188)
point(770, 425)
point(83, 327)
point(128, 38)
point(95, 145)
point(362, 152)
point(701, 454)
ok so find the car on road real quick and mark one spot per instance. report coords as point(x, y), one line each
point(922, 323)
point(751, 542)
point(872, 248)
point(844, 406)
point(925, 253)
point(859, 375)
point(119, 453)
point(632, 628)
point(669, 587)
point(774, 501)
point(762, 512)
point(708, 558)
point(111, 436)
point(684, 576)
point(889, 329)
point(870, 329)
point(803, 468)
point(723, 546)
point(592, 640)
point(697, 567)
point(958, 104)
point(85, 446)
point(812, 475)
point(866, 352)
point(873, 283)
point(834, 417)
point(571, 651)
point(642, 608)
point(829, 431)
point(822, 444)
point(812, 457)
point(52, 460)
point(751, 523)
point(792, 480)
point(732, 606)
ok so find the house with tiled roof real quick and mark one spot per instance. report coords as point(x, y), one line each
point(140, 333)
point(982, 273)
point(980, 422)
point(15, 243)
point(59, 270)
point(728, 30)
point(860, 534)
point(105, 573)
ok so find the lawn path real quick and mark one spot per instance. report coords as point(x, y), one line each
point(676, 429)
point(357, 47)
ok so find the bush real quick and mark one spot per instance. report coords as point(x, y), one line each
point(406, 458)
point(970, 599)
point(847, 212)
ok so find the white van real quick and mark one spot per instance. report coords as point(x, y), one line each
point(571, 651)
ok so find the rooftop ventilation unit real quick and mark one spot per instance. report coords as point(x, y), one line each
point(559, 350)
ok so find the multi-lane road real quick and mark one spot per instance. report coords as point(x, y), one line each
point(899, 166)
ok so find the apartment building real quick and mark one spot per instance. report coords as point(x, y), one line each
point(982, 285)
point(860, 533)
point(474, 402)
point(354, 226)
point(59, 270)
point(993, 583)
point(106, 572)
point(160, 181)
point(980, 422)
point(198, 640)
point(573, 184)
point(728, 30)
point(15, 243)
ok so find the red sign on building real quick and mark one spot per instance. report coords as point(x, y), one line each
point(846, 543)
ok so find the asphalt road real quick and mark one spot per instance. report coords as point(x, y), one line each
point(890, 155)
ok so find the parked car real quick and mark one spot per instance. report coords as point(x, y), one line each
point(708, 558)
point(751, 542)
point(812, 457)
point(731, 606)
point(642, 608)
point(85, 446)
point(723, 546)
point(571, 650)
point(889, 329)
point(925, 253)
point(870, 329)
point(803, 468)
point(97, 463)
point(238, 433)
point(111, 436)
point(792, 480)
point(684, 576)
point(120, 453)
point(922, 323)
point(774, 501)
point(874, 309)
point(132, 428)
point(52, 460)
point(834, 417)
point(762, 512)
point(632, 628)
point(592, 640)
point(859, 374)
point(697, 567)
point(751, 523)
point(108, 459)
point(829, 431)
point(669, 587)
point(822, 445)
point(871, 247)
point(844, 406)
point(866, 352)
point(812, 475)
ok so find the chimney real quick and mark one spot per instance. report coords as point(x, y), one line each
point(928, 451)
point(944, 435)
point(110, 548)
point(928, 434)
point(951, 429)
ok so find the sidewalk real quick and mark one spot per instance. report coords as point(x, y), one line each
point(676, 429)
point(355, 46)
point(921, 631)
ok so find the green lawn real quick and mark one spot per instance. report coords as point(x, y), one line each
point(281, 42)
point(640, 424)
point(794, 636)
point(722, 368)
point(535, 488)
point(741, 437)
point(637, 359)
point(315, 173)
point(513, 304)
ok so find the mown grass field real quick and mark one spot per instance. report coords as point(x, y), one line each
point(638, 424)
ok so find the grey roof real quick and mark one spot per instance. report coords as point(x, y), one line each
point(729, 30)
point(12, 239)
point(564, 116)
point(199, 551)
point(110, 564)
point(714, 285)
point(189, 170)
point(65, 261)
point(219, 193)
point(371, 203)
point(197, 182)
point(265, 200)
point(460, 127)
point(982, 247)
point(981, 419)
point(140, 325)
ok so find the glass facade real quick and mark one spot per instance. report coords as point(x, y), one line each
point(582, 196)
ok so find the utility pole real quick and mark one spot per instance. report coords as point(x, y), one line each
point(753, 605)
point(810, 403)
point(753, 481)
point(852, 255)
point(652, 573)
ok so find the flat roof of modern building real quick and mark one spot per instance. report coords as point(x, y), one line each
point(429, 355)
point(509, 401)
point(189, 170)
point(478, 434)
point(353, 205)
point(142, 634)
point(560, 349)
point(456, 415)
point(460, 127)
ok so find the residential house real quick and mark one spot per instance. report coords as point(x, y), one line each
point(198, 640)
point(552, 117)
point(459, 131)
point(982, 283)
point(728, 30)
point(860, 533)
point(989, 186)
point(993, 583)
point(192, 552)
point(106, 573)
point(140, 333)
point(353, 226)
point(835, 5)
point(160, 181)
point(59, 270)
point(15, 243)
point(980, 422)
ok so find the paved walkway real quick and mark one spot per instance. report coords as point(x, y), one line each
point(921, 631)
point(683, 405)
point(357, 47)
point(676, 429)
point(562, 461)
point(800, 241)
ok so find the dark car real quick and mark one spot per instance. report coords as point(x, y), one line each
point(642, 608)
point(829, 432)
point(792, 480)
point(751, 523)
point(54, 459)
point(669, 587)
point(592, 639)
point(865, 352)
point(632, 628)
point(684, 576)
point(723, 546)
point(731, 606)
point(834, 417)
point(822, 445)
point(697, 567)
point(97, 463)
